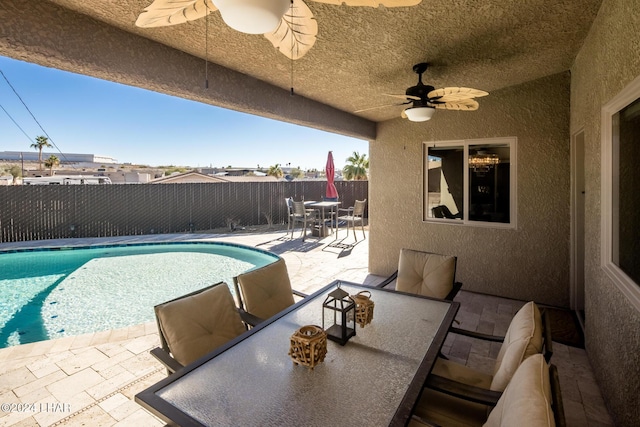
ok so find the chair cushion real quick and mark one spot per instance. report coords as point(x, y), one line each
point(527, 399)
point(461, 373)
point(445, 410)
point(195, 325)
point(523, 339)
point(425, 274)
point(266, 290)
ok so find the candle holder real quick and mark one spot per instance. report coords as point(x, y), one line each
point(364, 308)
point(338, 316)
point(308, 346)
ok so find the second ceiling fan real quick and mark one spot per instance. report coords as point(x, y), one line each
point(425, 99)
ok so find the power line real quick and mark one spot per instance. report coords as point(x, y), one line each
point(34, 119)
point(15, 123)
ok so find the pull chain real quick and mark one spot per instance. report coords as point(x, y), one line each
point(206, 48)
point(291, 29)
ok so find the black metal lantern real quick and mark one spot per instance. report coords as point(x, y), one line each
point(339, 316)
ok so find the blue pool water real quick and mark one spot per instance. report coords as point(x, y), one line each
point(52, 293)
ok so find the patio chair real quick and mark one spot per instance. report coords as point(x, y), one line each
point(289, 202)
point(528, 334)
point(532, 398)
point(195, 324)
point(354, 215)
point(302, 215)
point(265, 291)
point(425, 273)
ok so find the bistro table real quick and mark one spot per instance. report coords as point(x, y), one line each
point(373, 380)
point(322, 230)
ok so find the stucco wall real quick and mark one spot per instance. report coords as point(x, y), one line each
point(607, 62)
point(530, 262)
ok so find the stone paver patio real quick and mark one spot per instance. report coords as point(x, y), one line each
point(91, 379)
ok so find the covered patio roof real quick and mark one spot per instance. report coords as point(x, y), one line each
point(361, 53)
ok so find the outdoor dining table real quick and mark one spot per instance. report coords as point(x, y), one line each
point(373, 380)
point(322, 207)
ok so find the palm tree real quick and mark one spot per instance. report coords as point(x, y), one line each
point(41, 142)
point(275, 170)
point(52, 162)
point(357, 168)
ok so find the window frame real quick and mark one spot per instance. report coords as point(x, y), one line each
point(608, 209)
point(512, 142)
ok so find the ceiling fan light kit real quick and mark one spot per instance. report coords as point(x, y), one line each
point(419, 114)
point(252, 16)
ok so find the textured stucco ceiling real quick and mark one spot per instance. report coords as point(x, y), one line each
point(362, 53)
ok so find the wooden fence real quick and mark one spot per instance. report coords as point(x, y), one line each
point(30, 212)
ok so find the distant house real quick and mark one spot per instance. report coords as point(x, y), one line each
point(249, 178)
point(187, 178)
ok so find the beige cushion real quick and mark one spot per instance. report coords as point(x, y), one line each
point(461, 373)
point(195, 325)
point(523, 339)
point(266, 290)
point(425, 274)
point(527, 399)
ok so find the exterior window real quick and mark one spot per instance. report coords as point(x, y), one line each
point(620, 190)
point(626, 125)
point(470, 182)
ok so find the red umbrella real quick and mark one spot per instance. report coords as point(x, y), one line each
point(330, 169)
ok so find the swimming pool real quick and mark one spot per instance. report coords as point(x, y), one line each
point(52, 293)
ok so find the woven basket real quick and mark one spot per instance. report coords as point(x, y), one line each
point(364, 308)
point(308, 346)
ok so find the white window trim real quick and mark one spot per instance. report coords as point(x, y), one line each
point(627, 286)
point(465, 143)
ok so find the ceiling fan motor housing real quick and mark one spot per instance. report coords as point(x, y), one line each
point(419, 91)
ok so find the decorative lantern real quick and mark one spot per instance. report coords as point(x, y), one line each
point(338, 316)
point(364, 308)
point(308, 346)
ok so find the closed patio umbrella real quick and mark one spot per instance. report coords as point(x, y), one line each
point(332, 193)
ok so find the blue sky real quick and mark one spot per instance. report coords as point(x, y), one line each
point(86, 115)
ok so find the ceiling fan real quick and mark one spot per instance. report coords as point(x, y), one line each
point(425, 99)
point(288, 24)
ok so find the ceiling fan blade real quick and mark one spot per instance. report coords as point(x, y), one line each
point(402, 96)
point(372, 3)
point(460, 105)
point(447, 94)
point(381, 106)
point(162, 13)
point(296, 33)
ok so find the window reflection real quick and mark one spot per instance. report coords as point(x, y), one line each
point(445, 182)
point(489, 183)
